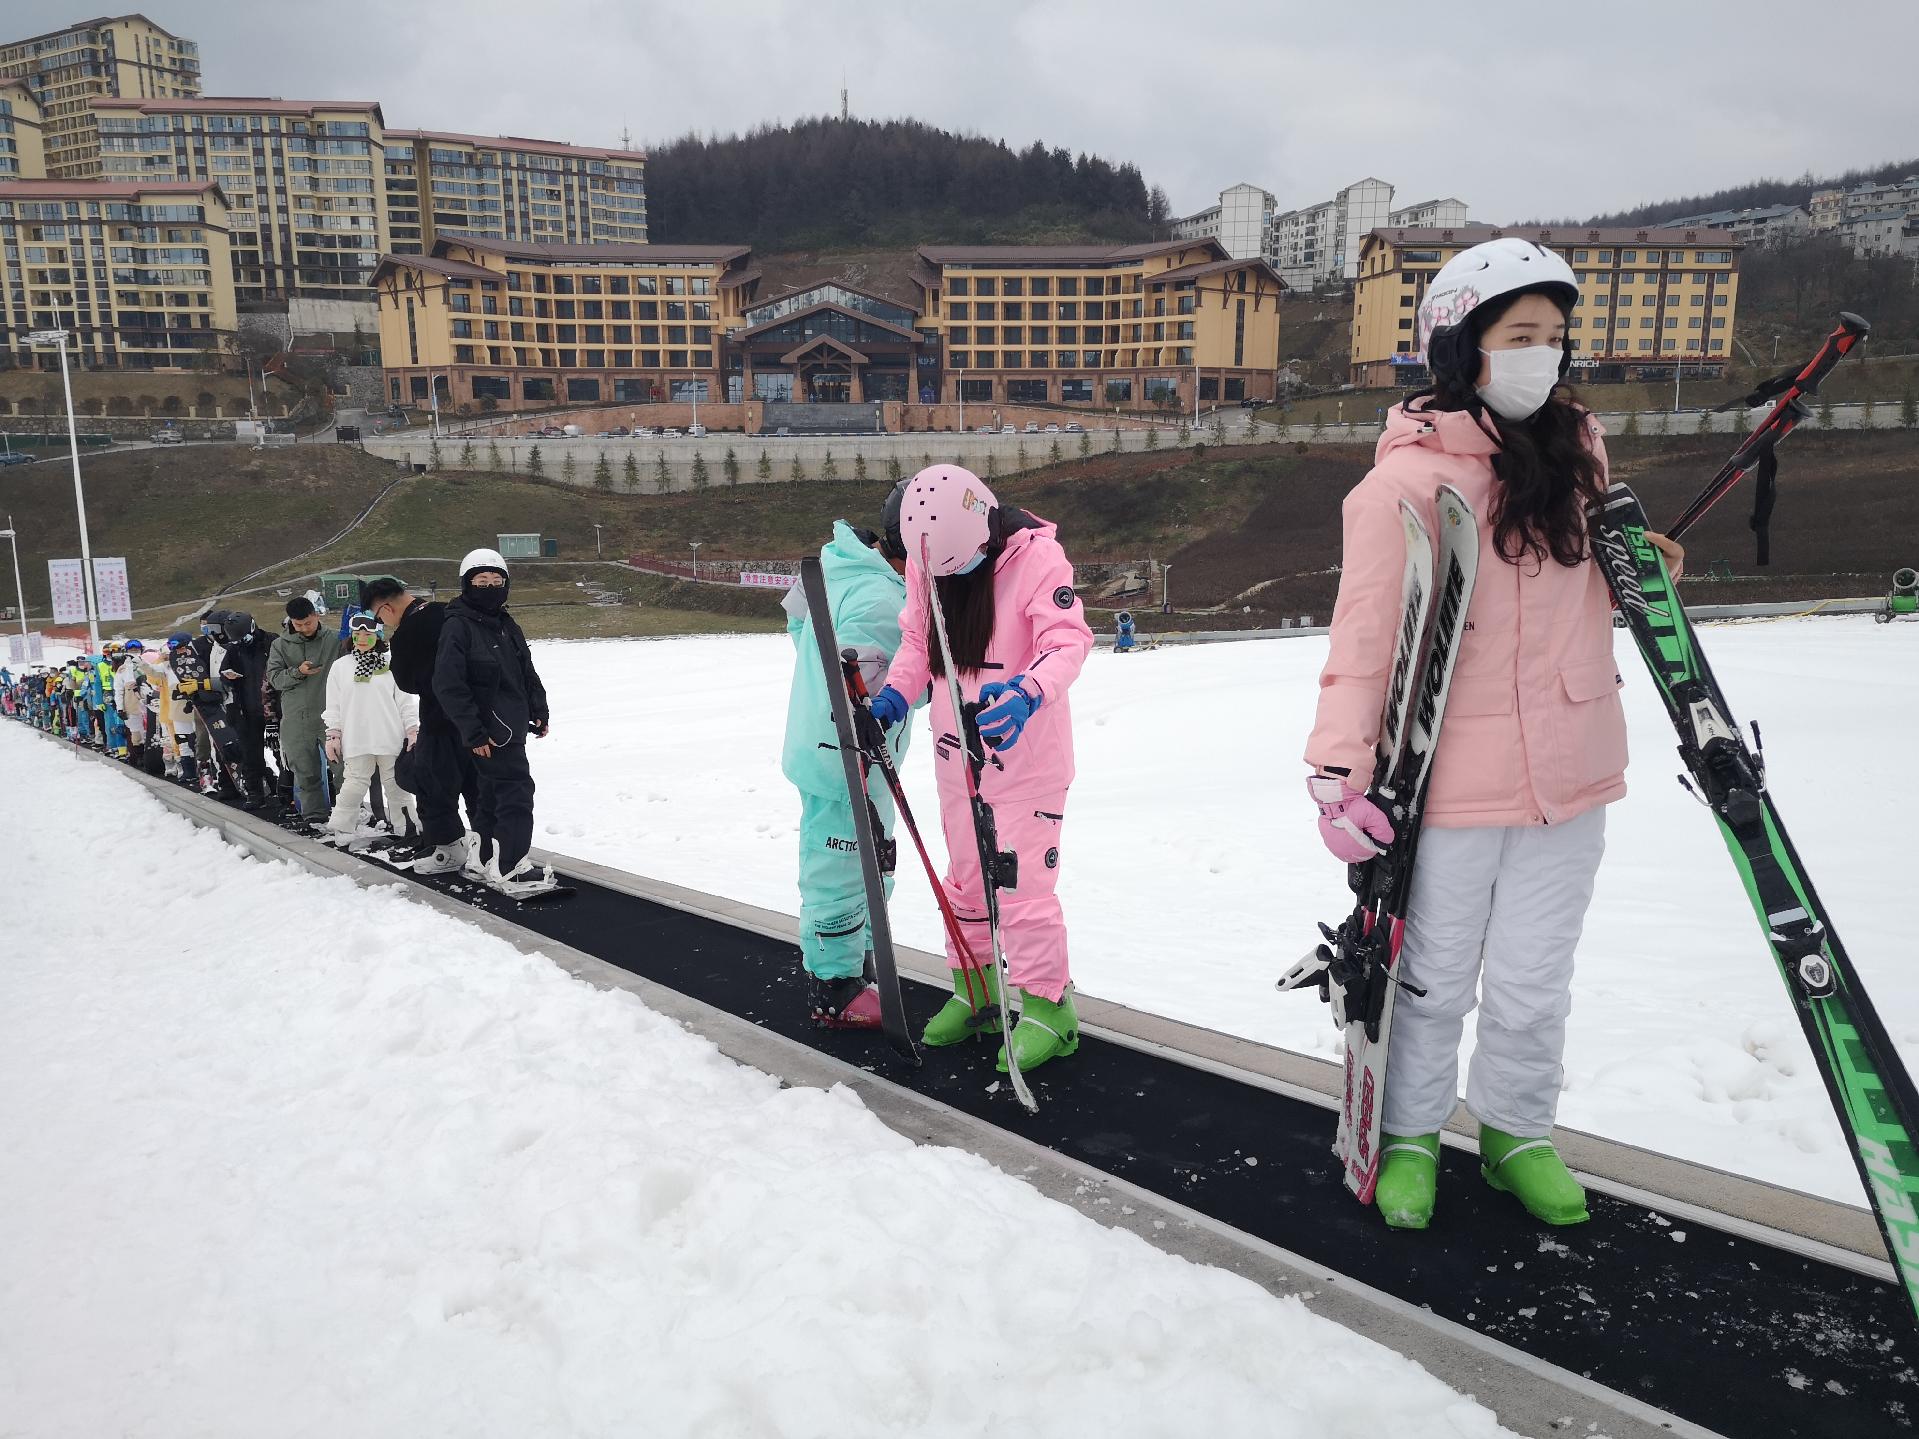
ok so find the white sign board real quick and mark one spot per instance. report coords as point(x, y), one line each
point(25, 649)
point(110, 589)
point(765, 580)
point(68, 580)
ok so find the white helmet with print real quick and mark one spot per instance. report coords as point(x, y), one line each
point(1471, 278)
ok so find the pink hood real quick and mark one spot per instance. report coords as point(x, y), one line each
point(1534, 732)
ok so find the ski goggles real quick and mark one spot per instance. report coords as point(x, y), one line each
point(365, 623)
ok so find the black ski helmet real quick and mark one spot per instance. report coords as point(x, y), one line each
point(892, 544)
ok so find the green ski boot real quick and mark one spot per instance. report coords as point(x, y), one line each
point(1533, 1173)
point(1045, 1031)
point(958, 1020)
point(1408, 1179)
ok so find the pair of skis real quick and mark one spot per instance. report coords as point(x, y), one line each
point(862, 747)
point(1357, 968)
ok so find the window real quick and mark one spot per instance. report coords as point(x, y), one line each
point(985, 287)
point(1629, 257)
point(1118, 392)
point(956, 285)
point(1012, 311)
point(986, 335)
point(1026, 392)
point(1040, 285)
point(585, 391)
point(1699, 302)
point(957, 335)
point(978, 391)
point(492, 387)
point(1235, 389)
point(1406, 302)
point(1068, 310)
point(1012, 334)
point(1405, 324)
point(1209, 387)
point(1719, 322)
point(1625, 300)
point(1068, 285)
point(1074, 392)
point(536, 389)
point(955, 360)
point(1579, 257)
point(1696, 322)
point(1012, 285)
point(960, 311)
point(1605, 257)
point(986, 311)
point(1161, 388)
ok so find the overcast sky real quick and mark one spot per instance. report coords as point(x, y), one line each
point(1520, 109)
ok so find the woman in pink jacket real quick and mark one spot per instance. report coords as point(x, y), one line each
point(1019, 637)
point(1533, 746)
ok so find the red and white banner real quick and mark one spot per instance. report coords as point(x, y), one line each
point(766, 580)
point(110, 589)
point(68, 580)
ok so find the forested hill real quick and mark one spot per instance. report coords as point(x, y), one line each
point(838, 184)
point(1751, 195)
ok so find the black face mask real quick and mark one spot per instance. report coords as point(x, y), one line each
point(488, 599)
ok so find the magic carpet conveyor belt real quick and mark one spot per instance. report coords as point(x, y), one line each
point(1734, 1334)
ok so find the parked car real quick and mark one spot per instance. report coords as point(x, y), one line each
point(347, 434)
point(620, 432)
point(550, 432)
point(1032, 427)
point(1074, 427)
point(1009, 429)
point(168, 437)
point(697, 432)
point(15, 457)
point(784, 430)
point(572, 432)
point(669, 433)
point(985, 430)
point(643, 432)
point(1052, 429)
point(1249, 404)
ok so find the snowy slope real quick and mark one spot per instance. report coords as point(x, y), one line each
point(1192, 875)
point(282, 1156)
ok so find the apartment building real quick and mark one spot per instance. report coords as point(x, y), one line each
point(67, 70)
point(23, 154)
point(1756, 225)
point(1319, 244)
point(304, 180)
point(1878, 233)
point(497, 324)
point(1446, 214)
point(1242, 222)
point(1096, 324)
point(1830, 208)
point(1649, 299)
point(138, 271)
point(438, 183)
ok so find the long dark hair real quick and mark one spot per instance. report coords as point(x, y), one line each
point(967, 603)
point(1547, 474)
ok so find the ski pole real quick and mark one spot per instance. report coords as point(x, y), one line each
point(1788, 409)
point(873, 748)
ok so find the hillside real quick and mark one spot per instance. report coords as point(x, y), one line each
point(1252, 533)
point(847, 184)
point(1744, 196)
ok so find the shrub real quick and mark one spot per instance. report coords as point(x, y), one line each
point(828, 469)
point(631, 472)
point(1019, 460)
point(1185, 432)
point(466, 455)
point(493, 460)
point(798, 472)
point(1085, 444)
point(569, 468)
point(859, 467)
point(1909, 409)
point(764, 469)
point(1632, 423)
point(1054, 454)
point(535, 466)
point(1825, 412)
point(1152, 437)
point(662, 477)
point(603, 474)
point(701, 477)
point(434, 459)
point(730, 466)
point(992, 466)
point(894, 472)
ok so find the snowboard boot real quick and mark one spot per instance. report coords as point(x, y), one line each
point(1045, 1031)
point(966, 1014)
point(474, 864)
point(846, 1003)
point(1408, 1179)
point(443, 859)
point(1533, 1173)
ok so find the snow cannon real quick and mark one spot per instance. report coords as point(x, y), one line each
point(1123, 641)
point(1902, 600)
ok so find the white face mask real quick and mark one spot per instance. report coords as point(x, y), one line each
point(1520, 380)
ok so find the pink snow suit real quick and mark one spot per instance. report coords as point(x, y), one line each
point(1534, 731)
point(1040, 631)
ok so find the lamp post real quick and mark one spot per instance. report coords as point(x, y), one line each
point(1196, 397)
point(59, 338)
point(19, 594)
point(1166, 589)
point(433, 394)
point(694, 545)
point(596, 542)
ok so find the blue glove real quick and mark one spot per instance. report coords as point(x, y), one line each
point(1004, 710)
point(889, 707)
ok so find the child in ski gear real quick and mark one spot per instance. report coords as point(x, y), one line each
point(298, 666)
point(485, 681)
point(1019, 637)
point(369, 720)
point(864, 583)
point(1533, 744)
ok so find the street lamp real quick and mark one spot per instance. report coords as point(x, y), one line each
point(1166, 589)
point(596, 542)
point(59, 338)
point(694, 545)
point(433, 394)
point(19, 594)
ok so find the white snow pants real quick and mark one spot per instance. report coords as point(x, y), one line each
point(356, 779)
point(1511, 902)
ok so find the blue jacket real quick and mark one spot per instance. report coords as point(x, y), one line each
point(866, 595)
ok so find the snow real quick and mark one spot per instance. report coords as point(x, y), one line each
point(1192, 876)
point(280, 1155)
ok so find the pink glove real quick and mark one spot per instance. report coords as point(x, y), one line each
point(333, 745)
point(1353, 827)
point(412, 733)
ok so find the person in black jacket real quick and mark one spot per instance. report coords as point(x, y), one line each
point(438, 771)
point(485, 682)
point(244, 668)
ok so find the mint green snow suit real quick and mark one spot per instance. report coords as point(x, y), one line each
point(866, 597)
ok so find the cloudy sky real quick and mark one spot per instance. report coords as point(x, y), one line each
point(1521, 109)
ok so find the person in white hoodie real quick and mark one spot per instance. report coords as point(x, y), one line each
point(369, 720)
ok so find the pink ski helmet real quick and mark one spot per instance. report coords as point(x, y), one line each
point(952, 511)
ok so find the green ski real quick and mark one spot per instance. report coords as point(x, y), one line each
point(1865, 1078)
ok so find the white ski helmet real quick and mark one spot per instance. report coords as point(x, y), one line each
point(482, 560)
point(1471, 278)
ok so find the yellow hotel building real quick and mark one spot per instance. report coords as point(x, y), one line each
point(304, 179)
point(138, 272)
point(23, 154)
point(507, 325)
point(67, 70)
point(1123, 325)
point(1649, 299)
